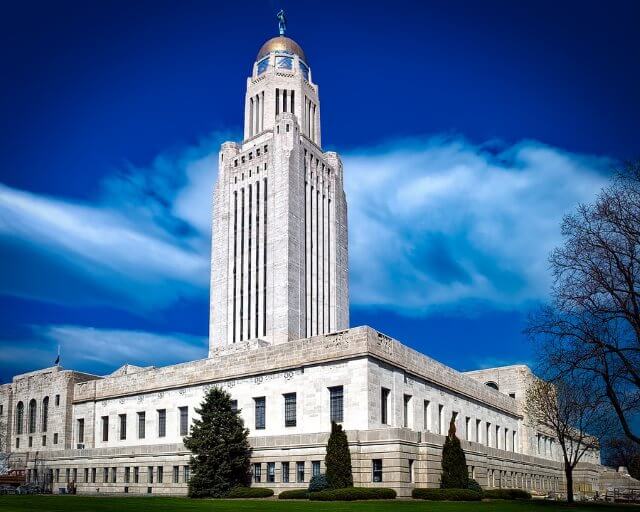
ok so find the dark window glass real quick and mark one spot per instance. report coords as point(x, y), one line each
point(162, 422)
point(123, 426)
point(160, 474)
point(105, 428)
point(315, 468)
point(234, 405)
point(257, 472)
point(45, 413)
point(32, 416)
point(260, 412)
point(336, 408)
point(150, 474)
point(186, 474)
point(184, 421)
point(384, 404)
point(127, 475)
point(285, 472)
point(141, 424)
point(176, 474)
point(290, 410)
point(263, 65)
point(81, 430)
point(377, 470)
point(271, 472)
point(300, 471)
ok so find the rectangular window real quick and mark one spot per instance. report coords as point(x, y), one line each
point(440, 419)
point(150, 474)
point(141, 424)
point(411, 470)
point(497, 438)
point(257, 472)
point(30, 441)
point(488, 434)
point(75, 474)
point(186, 474)
point(105, 428)
point(300, 471)
point(176, 474)
point(105, 475)
point(467, 427)
point(384, 405)
point(160, 474)
point(427, 416)
point(478, 431)
point(285, 472)
point(123, 426)
point(406, 403)
point(127, 475)
point(290, 410)
point(113, 475)
point(136, 475)
point(44, 440)
point(93, 475)
point(184, 421)
point(376, 466)
point(162, 422)
point(260, 406)
point(234, 406)
point(271, 472)
point(315, 468)
point(57, 475)
point(80, 434)
point(57, 399)
point(336, 404)
point(86, 475)
point(55, 438)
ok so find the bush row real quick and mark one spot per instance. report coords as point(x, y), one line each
point(354, 493)
point(507, 494)
point(250, 492)
point(446, 494)
point(294, 494)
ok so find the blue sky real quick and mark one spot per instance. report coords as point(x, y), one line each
point(467, 130)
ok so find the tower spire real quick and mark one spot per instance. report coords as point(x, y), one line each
point(282, 22)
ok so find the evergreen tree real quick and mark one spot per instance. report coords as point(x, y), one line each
point(221, 451)
point(338, 459)
point(455, 474)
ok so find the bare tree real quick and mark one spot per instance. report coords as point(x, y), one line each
point(593, 322)
point(621, 451)
point(564, 407)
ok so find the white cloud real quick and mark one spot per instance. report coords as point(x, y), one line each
point(444, 223)
point(434, 223)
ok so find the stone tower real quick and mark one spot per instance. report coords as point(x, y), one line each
point(279, 244)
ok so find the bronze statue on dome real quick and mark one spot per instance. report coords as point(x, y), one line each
point(282, 22)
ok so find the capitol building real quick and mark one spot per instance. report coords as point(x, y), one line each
point(281, 345)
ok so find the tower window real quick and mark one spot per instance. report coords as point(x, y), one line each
point(263, 65)
point(336, 403)
point(260, 405)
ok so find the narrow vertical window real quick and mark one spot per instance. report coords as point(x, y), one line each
point(384, 399)
point(336, 404)
point(376, 470)
point(162, 422)
point(249, 240)
point(234, 406)
point(406, 410)
point(478, 431)
point(329, 265)
point(141, 424)
point(123, 426)
point(242, 265)
point(105, 428)
point(300, 471)
point(150, 474)
point(290, 410)
point(260, 406)
point(127, 475)
point(411, 477)
point(284, 100)
point(440, 419)
point(315, 468)
point(264, 265)
point(184, 421)
point(271, 472)
point(80, 430)
point(427, 416)
point(136, 475)
point(19, 418)
point(32, 416)
point(277, 101)
point(235, 263)
point(186, 474)
point(257, 267)
point(250, 117)
point(257, 472)
point(468, 428)
point(293, 104)
point(160, 474)
point(45, 413)
point(285, 472)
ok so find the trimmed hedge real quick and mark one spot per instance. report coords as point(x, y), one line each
point(446, 494)
point(318, 483)
point(475, 486)
point(250, 492)
point(294, 494)
point(354, 493)
point(507, 494)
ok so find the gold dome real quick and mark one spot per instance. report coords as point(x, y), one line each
point(281, 44)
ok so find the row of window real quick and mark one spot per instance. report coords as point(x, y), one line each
point(141, 431)
point(44, 440)
point(300, 476)
point(32, 415)
point(154, 474)
point(283, 62)
point(243, 158)
point(494, 435)
point(336, 408)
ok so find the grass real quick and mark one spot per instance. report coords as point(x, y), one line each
point(156, 504)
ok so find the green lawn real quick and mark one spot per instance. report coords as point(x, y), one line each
point(119, 504)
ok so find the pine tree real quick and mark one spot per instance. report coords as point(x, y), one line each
point(455, 474)
point(338, 459)
point(221, 451)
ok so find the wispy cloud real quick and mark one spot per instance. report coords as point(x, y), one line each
point(441, 222)
point(101, 350)
point(434, 223)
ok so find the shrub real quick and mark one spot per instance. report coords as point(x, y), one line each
point(474, 486)
point(507, 494)
point(294, 494)
point(338, 459)
point(318, 483)
point(354, 493)
point(455, 474)
point(446, 494)
point(250, 492)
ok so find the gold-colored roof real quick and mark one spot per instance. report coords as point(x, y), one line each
point(281, 44)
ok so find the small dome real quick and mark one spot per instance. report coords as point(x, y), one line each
point(281, 44)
